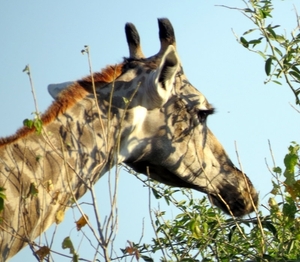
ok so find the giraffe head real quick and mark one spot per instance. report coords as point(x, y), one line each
point(163, 132)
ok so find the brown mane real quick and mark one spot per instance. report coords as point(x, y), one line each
point(67, 98)
point(107, 75)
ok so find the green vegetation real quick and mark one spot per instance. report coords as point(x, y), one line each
point(202, 233)
point(2, 198)
point(280, 49)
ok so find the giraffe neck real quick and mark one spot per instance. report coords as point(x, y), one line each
point(73, 151)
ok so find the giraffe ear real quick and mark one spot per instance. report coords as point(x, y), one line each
point(166, 72)
point(55, 89)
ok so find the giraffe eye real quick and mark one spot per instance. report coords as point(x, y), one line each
point(203, 114)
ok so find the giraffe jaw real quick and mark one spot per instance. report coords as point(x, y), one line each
point(228, 198)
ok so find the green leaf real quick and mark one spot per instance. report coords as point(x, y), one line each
point(268, 66)
point(38, 124)
point(290, 246)
point(275, 189)
point(290, 162)
point(289, 209)
point(268, 225)
point(280, 39)
point(278, 51)
point(33, 190)
point(254, 42)
point(276, 82)
point(156, 194)
point(67, 243)
point(126, 101)
point(26, 69)
point(261, 54)
point(294, 189)
point(247, 10)
point(272, 33)
point(1, 204)
point(167, 199)
point(249, 31)
point(28, 123)
point(147, 259)
point(277, 170)
point(244, 42)
point(2, 198)
point(2, 195)
point(295, 68)
point(230, 234)
point(181, 203)
point(295, 74)
point(275, 26)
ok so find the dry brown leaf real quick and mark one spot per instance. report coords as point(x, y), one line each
point(130, 250)
point(81, 222)
point(133, 251)
point(42, 252)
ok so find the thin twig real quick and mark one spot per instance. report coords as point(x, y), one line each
point(252, 202)
point(97, 214)
point(87, 50)
point(27, 70)
point(100, 240)
point(150, 214)
point(295, 108)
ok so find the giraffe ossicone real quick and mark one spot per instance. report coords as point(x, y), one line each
point(147, 115)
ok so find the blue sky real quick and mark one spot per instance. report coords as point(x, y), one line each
point(50, 35)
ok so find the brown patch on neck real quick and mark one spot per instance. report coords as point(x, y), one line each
point(68, 98)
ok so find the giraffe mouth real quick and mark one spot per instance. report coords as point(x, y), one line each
point(234, 203)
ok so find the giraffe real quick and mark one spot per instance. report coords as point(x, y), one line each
point(143, 112)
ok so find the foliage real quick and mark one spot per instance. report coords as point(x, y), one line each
point(279, 50)
point(67, 244)
point(2, 198)
point(200, 232)
point(33, 190)
point(36, 123)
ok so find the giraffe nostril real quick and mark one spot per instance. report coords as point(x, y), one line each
point(231, 201)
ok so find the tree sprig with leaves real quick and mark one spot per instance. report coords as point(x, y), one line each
point(280, 50)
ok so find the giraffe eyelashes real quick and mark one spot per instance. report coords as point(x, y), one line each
point(200, 115)
point(203, 114)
